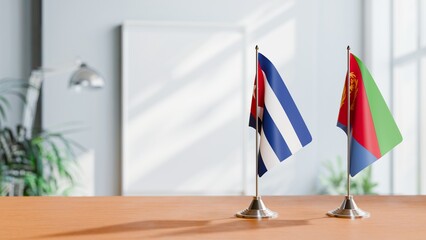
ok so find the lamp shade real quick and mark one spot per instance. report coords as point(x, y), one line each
point(86, 77)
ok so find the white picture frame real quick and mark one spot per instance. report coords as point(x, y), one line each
point(198, 149)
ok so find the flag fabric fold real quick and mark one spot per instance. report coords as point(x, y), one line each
point(281, 127)
point(373, 129)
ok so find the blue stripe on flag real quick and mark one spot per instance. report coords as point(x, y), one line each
point(283, 95)
point(343, 127)
point(252, 123)
point(274, 137)
point(360, 157)
point(261, 167)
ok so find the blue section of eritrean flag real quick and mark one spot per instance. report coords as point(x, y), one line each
point(281, 127)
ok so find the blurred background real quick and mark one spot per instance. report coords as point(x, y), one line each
point(172, 117)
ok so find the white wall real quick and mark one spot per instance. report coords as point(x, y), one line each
point(305, 39)
point(15, 47)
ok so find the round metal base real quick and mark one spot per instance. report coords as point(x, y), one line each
point(348, 209)
point(257, 209)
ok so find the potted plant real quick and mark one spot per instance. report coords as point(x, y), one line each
point(37, 165)
point(334, 180)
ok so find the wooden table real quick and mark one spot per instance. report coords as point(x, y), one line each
point(301, 217)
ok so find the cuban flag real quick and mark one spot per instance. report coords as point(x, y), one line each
point(281, 127)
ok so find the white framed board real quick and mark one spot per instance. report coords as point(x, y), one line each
point(183, 109)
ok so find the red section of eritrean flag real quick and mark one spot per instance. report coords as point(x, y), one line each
point(362, 125)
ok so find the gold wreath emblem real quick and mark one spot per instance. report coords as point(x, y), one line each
point(353, 91)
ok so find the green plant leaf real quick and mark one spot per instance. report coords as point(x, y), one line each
point(46, 160)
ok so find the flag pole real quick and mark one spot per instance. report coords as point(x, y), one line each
point(348, 96)
point(348, 208)
point(257, 208)
point(257, 122)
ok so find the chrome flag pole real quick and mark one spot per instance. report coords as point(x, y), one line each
point(257, 208)
point(257, 121)
point(348, 208)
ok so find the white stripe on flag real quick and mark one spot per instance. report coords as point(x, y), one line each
point(269, 157)
point(281, 120)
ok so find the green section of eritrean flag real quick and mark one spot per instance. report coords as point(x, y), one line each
point(388, 134)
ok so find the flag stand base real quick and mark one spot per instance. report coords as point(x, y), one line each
point(348, 209)
point(257, 209)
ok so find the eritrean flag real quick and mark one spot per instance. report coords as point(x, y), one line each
point(281, 127)
point(373, 129)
